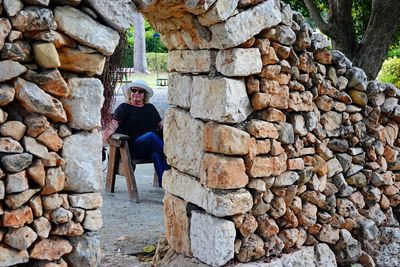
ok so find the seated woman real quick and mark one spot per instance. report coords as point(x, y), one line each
point(141, 121)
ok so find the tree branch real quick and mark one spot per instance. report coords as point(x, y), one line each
point(315, 15)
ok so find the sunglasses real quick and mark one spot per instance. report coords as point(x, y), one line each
point(137, 91)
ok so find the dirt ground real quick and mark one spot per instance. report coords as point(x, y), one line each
point(127, 226)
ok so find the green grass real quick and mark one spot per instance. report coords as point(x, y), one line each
point(149, 78)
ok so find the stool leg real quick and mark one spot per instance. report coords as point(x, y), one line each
point(155, 180)
point(112, 169)
point(129, 173)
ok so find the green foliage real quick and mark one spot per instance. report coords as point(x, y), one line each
point(390, 72)
point(153, 44)
point(157, 62)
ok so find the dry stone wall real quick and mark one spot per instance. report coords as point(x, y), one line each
point(276, 142)
point(50, 144)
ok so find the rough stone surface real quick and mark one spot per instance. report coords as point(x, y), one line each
point(10, 69)
point(239, 62)
point(220, 99)
point(35, 99)
point(245, 25)
point(10, 257)
point(225, 139)
point(187, 61)
point(46, 55)
point(81, 61)
point(82, 105)
point(50, 249)
point(221, 172)
point(83, 172)
point(181, 130)
point(212, 239)
point(177, 224)
point(84, 29)
point(180, 90)
point(86, 250)
point(217, 203)
point(117, 14)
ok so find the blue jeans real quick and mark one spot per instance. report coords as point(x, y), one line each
point(150, 145)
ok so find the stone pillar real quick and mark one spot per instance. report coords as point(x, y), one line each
point(272, 134)
point(50, 144)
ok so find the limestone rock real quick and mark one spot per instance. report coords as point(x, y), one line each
point(180, 90)
point(68, 229)
point(239, 61)
point(220, 99)
point(34, 147)
point(36, 124)
point(42, 226)
point(60, 216)
point(82, 105)
point(34, 18)
point(221, 172)
point(55, 179)
point(7, 93)
point(117, 14)
point(263, 166)
point(9, 257)
point(46, 55)
point(225, 139)
point(82, 152)
point(93, 220)
point(217, 203)
point(35, 99)
point(198, 7)
point(84, 29)
point(50, 249)
point(10, 69)
point(14, 129)
point(9, 145)
point(86, 201)
point(251, 249)
point(15, 201)
point(177, 224)
point(87, 250)
point(245, 25)
point(205, 236)
point(191, 61)
point(50, 139)
point(181, 130)
point(21, 238)
point(16, 162)
point(5, 27)
point(17, 182)
point(50, 81)
point(19, 51)
point(80, 61)
point(12, 6)
point(219, 12)
point(17, 218)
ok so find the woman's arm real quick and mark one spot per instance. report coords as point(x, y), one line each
point(109, 130)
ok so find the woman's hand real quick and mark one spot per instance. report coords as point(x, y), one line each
point(160, 125)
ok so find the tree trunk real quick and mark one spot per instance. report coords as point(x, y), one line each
point(384, 22)
point(341, 27)
point(140, 62)
point(371, 52)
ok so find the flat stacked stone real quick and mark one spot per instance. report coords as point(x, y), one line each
point(44, 203)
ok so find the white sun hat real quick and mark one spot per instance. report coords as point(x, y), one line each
point(139, 84)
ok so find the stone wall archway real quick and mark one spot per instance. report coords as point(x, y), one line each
point(275, 142)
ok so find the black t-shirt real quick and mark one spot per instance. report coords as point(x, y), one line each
point(136, 121)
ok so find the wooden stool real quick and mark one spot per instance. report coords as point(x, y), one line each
point(120, 157)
